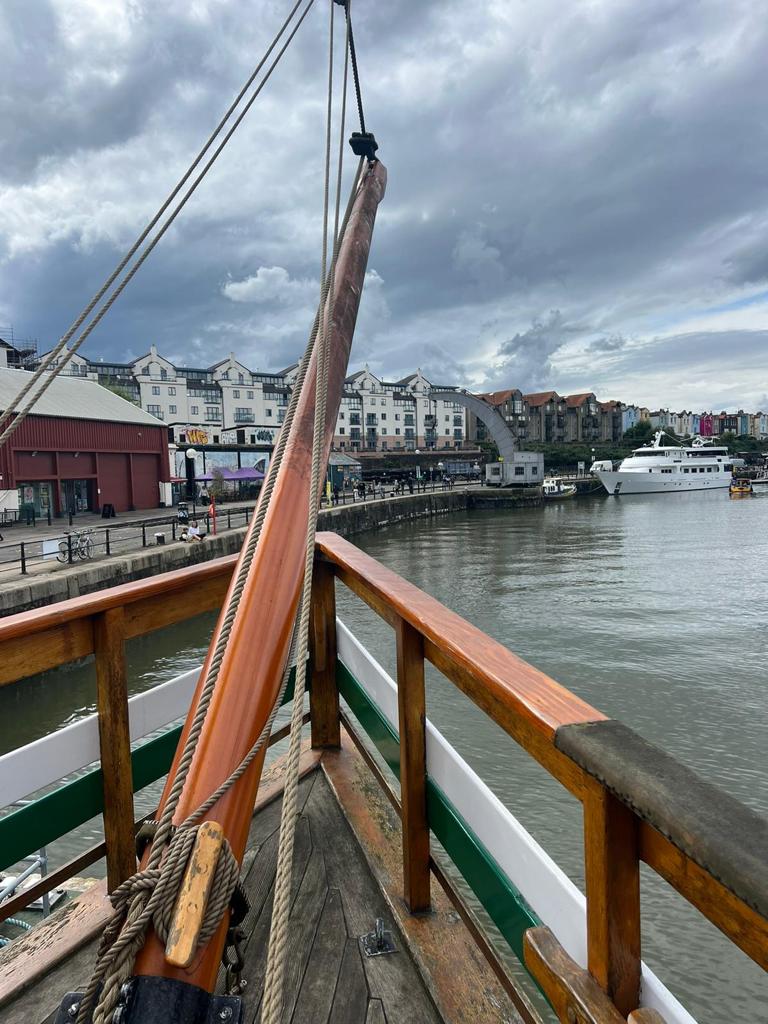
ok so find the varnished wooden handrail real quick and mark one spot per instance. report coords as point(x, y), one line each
point(509, 684)
point(37, 620)
point(44, 638)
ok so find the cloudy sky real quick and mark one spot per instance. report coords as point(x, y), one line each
point(578, 193)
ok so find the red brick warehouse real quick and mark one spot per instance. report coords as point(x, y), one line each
point(81, 448)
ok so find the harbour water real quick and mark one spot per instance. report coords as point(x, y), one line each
point(650, 608)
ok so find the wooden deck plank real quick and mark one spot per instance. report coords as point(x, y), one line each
point(393, 979)
point(28, 959)
point(350, 1004)
point(329, 981)
point(376, 1013)
point(438, 940)
point(319, 984)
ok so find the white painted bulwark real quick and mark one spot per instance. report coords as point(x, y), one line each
point(547, 889)
point(45, 761)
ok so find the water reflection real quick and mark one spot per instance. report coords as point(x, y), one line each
point(651, 609)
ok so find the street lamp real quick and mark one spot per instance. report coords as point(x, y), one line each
point(190, 455)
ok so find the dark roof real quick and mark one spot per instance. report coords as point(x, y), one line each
point(574, 401)
point(541, 397)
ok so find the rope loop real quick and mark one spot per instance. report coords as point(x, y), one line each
point(149, 897)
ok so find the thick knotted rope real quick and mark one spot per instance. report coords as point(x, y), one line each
point(150, 896)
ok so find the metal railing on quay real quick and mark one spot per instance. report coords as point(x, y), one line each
point(74, 546)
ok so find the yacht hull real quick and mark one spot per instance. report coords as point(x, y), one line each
point(634, 482)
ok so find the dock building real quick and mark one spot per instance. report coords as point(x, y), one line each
point(81, 448)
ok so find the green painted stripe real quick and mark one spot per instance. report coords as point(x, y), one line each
point(66, 808)
point(505, 905)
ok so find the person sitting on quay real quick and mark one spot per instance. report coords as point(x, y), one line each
point(193, 533)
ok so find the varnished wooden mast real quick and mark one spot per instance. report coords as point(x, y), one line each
point(250, 674)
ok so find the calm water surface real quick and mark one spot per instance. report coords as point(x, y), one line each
point(650, 608)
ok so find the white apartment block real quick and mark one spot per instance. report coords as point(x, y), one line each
point(379, 415)
point(229, 404)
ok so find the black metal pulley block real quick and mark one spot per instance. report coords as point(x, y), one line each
point(364, 144)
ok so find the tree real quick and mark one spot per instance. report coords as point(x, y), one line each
point(641, 431)
point(121, 392)
point(216, 486)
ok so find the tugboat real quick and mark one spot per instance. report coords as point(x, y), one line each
point(556, 490)
point(740, 487)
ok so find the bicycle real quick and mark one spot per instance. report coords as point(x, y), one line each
point(82, 546)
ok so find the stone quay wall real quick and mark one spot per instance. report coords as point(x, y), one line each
point(346, 520)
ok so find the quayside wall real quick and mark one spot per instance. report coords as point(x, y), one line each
point(346, 520)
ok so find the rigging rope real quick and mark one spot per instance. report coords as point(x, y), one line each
point(16, 403)
point(355, 73)
point(272, 1002)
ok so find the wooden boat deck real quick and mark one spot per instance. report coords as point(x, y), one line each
point(336, 899)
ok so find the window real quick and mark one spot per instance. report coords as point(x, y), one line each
point(240, 380)
point(397, 415)
point(397, 430)
point(382, 401)
point(195, 410)
point(171, 391)
point(519, 470)
point(244, 416)
point(447, 419)
point(534, 470)
point(268, 412)
point(155, 389)
point(172, 408)
point(155, 410)
point(341, 430)
point(236, 393)
point(383, 415)
point(249, 394)
point(341, 415)
point(212, 412)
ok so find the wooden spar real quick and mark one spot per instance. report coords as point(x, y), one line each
point(255, 657)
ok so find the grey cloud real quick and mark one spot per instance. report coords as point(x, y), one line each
point(612, 343)
point(599, 159)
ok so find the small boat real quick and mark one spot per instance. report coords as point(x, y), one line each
point(556, 490)
point(739, 487)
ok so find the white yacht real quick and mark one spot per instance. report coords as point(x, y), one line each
point(695, 467)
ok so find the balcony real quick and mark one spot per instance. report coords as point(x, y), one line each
point(245, 417)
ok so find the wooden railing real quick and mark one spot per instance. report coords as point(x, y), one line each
point(712, 853)
point(99, 624)
point(638, 805)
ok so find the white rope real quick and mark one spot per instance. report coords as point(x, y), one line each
point(272, 1004)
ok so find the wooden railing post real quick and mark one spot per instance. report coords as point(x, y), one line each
point(413, 765)
point(612, 871)
point(115, 744)
point(324, 693)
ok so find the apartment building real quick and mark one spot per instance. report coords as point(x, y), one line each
point(227, 403)
point(378, 415)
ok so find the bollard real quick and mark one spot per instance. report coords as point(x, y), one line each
point(23, 559)
point(173, 530)
point(229, 520)
point(143, 535)
point(106, 537)
point(69, 548)
point(247, 512)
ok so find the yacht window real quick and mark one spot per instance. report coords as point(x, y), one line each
point(666, 471)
